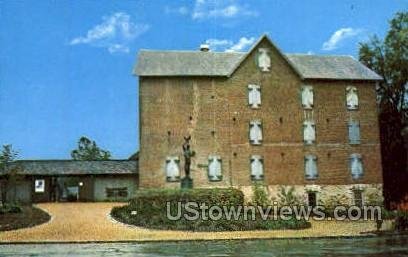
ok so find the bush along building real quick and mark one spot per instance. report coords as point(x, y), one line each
point(283, 120)
point(69, 180)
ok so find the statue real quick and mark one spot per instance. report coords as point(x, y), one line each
point(187, 182)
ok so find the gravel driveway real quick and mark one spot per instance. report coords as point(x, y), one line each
point(86, 222)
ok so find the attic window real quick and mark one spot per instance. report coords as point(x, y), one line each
point(254, 96)
point(172, 168)
point(255, 132)
point(356, 166)
point(307, 97)
point(352, 98)
point(214, 168)
point(257, 172)
point(309, 132)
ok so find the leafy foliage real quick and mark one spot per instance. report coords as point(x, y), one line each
point(288, 197)
point(260, 196)
point(88, 151)
point(7, 156)
point(150, 206)
point(389, 58)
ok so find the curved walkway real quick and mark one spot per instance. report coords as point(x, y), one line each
point(90, 222)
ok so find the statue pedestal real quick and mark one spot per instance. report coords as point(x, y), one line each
point(186, 183)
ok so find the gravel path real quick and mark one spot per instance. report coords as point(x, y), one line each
point(85, 222)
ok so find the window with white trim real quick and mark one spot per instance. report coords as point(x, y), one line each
point(257, 169)
point(354, 132)
point(214, 168)
point(352, 98)
point(172, 168)
point(356, 166)
point(39, 185)
point(311, 171)
point(307, 97)
point(309, 132)
point(255, 132)
point(254, 96)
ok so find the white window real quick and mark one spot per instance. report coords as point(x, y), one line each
point(356, 166)
point(214, 168)
point(257, 172)
point(172, 168)
point(255, 132)
point(354, 132)
point(311, 167)
point(352, 98)
point(39, 185)
point(307, 97)
point(254, 96)
point(309, 132)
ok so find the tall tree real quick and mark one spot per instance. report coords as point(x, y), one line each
point(88, 151)
point(389, 58)
point(7, 156)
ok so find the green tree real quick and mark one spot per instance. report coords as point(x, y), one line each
point(7, 156)
point(88, 151)
point(389, 58)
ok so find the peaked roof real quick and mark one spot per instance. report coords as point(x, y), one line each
point(72, 167)
point(197, 63)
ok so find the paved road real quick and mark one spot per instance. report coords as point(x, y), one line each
point(82, 222)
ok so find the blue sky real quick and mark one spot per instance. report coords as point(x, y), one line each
point(65, 66)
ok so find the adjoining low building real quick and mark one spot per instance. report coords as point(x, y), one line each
point(69, 180)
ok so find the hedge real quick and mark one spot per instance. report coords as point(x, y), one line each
point(150, 206)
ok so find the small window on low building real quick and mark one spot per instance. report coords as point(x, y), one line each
point(120, 192)
point(254, 96)
point(358, 198)
point(307, 97)
point(257, 169)
point(352, 98)
point(39, 186)
point(311, 167)
point(309, 132)
point(312, 199)
point(255, 132)
point(214, 168)
point(354, 132)
point(356, 166)
point(172, 168)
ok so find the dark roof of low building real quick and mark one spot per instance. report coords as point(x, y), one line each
point(198, 63)
point(72, 167)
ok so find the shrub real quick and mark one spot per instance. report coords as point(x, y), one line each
point(260, 196)
point(401, 221)
point(10, 208)
point(150, 206)
point(288, 197)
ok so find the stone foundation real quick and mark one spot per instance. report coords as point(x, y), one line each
point(371, 193)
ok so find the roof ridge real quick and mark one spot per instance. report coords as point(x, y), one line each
point(187, 51)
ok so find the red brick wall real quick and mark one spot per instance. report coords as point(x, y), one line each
point(199, 106)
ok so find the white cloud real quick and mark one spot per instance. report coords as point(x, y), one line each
point(204, 9)
point(115, 33)
point(182, 10)
point(242, 44)
point(228, 45)
point(338, 37)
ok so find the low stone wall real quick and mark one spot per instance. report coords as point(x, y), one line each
point(371, 193)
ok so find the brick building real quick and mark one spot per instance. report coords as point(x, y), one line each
point(306, 121)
